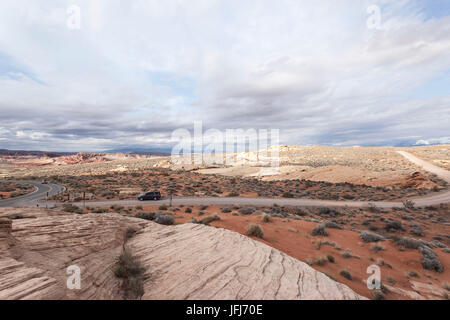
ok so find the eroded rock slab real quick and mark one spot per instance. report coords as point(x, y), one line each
point(199, 262)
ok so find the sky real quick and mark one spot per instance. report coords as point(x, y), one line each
point(129, 73)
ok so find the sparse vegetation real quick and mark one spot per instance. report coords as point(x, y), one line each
point(255, 230)
point(72, 208)
point(375, 247)
point(367, 236)
point(378, 295)
point(346, 274)
point(209, 219)
point(408, 204)
point(319, 231)
point(146, 216)
point(130, 270)
point(165, 219)
point(413, 273)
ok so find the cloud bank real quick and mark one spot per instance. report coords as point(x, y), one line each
point(137, 70)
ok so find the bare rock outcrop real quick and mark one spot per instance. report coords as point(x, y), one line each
point(181, 262)
point(193, 261)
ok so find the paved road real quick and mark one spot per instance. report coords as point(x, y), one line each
point(39, 193)
point(433, 199)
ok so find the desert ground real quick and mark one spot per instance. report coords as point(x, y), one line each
point(303, 247)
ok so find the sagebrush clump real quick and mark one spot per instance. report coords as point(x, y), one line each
point(255, 230)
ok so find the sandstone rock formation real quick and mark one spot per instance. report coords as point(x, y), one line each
point(181, 262)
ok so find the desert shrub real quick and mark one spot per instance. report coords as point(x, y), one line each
point(131, 271)
point(330, 258)
point(246, 211)
point(390, 279)
point(165, 219)
point(130, 265)
point(288, 195)
point(394, 226)
point(146, 216)
point(300, 212)
point(332, 225)
point(346, 274)
point(255, 230)
point(375, 247)
point(367, 236)
point(408, 243)
point(163, 207)
point(72, 208)
point(378, 295)
point(265, 217)
point(233, 194)
point(408, 204)
point(346, 254)
point(129, 233)
point(321, 260)
point(417, 231)
point(328, 211)
point(225, 210)
point(209, 219)
point(188, 210)
point(319, 231)
point(203, 207)
point(413, 273)
point(430, 260)
point(100, 210)
point(373, 208)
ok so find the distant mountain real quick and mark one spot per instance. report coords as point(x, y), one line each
point(50, 154)
point(142, 151)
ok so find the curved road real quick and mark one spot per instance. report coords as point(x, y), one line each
point(39, 193)
point(433, 199)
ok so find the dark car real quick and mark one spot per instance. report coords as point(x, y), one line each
point(151, 195)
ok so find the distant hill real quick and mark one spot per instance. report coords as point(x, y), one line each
point(50, 154)
point(142, 151)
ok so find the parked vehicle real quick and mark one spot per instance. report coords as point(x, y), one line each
point(151, 195)
point(44, 181)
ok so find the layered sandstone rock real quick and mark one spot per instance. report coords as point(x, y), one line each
point(181, 262)
point(194, 261)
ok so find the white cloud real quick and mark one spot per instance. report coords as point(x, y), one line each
point(314, 70)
